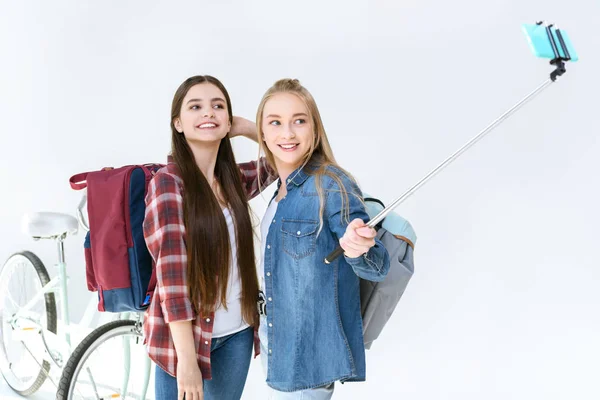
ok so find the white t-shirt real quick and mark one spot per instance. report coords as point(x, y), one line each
point(230, 321)
point(264, 231)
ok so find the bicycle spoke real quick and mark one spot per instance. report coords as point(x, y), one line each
point(89, 372)
point(9, 297)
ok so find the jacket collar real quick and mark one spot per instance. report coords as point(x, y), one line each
point(301, 174)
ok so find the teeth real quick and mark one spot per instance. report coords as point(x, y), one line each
point(288, 146)
point(207, 125)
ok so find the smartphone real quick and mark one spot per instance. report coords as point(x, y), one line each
point(540, 44)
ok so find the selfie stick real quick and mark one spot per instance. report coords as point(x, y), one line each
point(558, 61)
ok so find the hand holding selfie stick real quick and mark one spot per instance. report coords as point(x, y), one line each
point(540, 43)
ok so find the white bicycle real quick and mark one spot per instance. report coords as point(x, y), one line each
point(30, 342)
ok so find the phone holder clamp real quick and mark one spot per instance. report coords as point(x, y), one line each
point(558, 61)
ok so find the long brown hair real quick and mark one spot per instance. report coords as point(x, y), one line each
point(207, 237)
point(320, 155)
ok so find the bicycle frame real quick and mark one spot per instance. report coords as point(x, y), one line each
point(26, 320)
point(139, 321)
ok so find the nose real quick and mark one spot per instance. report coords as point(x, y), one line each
point(209, 112)
point(288, 132)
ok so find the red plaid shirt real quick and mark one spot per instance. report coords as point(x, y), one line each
point(164, 231)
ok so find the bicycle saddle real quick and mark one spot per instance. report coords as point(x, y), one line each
point(46, 225)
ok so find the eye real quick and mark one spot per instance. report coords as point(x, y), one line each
point(275, 123)
point(299, 121)
point(219, 106)
point(195, 107)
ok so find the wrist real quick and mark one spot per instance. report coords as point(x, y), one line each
point(187, 359)
point(354, 256)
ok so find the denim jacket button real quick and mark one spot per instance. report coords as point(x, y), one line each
point(270, 299)
point(298, 233)
point(268, 274)
point(268, 246)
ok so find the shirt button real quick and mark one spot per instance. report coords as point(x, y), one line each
point(206, 342)
point(298, 233)
point(269, 246)
point(207, 319)
point(268, 274)
point(270, 351)
point(289, 180)
point(270, 299)
point(273, 221)
point(270, 325)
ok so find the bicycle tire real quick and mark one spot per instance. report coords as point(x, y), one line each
point(50, 305)
point(85, 349)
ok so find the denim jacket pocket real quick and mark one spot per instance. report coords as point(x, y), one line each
point(299, 237)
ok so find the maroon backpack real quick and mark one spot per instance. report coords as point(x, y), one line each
point(118, 264)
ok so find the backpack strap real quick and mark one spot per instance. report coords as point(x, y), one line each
point(79, 181)
point(407, 240)
point(151, 168)
point(374, 200)
point(151, 287)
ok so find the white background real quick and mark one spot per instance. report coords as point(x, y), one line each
point(504, 302)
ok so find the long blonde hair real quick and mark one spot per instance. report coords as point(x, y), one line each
point(320, 156)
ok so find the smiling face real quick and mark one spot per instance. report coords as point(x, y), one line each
point(203, 116)
point(287, 130)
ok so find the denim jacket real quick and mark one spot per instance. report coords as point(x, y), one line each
point(315, 331)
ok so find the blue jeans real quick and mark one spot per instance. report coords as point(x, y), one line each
point(230, 360)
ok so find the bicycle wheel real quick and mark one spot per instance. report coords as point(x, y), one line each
point(100, 366)
point(22, 366)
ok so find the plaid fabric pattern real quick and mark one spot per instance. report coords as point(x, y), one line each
point(164, 232)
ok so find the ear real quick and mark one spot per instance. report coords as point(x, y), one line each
point(177, 124)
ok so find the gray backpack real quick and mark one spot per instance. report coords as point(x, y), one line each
point(379, 299)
